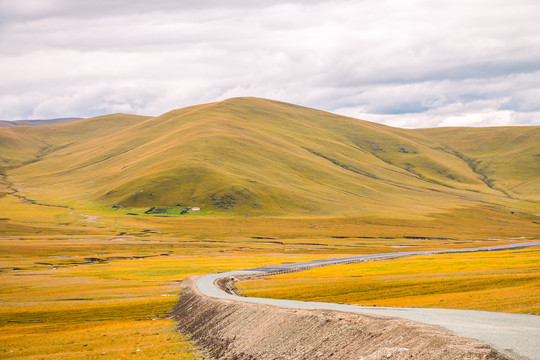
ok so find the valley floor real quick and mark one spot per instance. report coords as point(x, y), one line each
point(106, 286)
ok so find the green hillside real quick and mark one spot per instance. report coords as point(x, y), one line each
point(506, 158)
point(253, 156)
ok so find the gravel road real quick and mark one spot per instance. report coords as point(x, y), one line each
point(516, 335)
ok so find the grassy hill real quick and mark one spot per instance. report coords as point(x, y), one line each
point(254, 156)
point(506, 158)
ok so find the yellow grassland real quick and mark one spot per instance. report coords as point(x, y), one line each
point(55, 303)
point(507, 281)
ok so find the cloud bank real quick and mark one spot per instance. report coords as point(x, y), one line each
point(400, 62)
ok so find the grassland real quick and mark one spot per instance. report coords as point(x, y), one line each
point(73, 288)
point(86, 268)
point(507, 281)
point(252, 156)
point(58, 301)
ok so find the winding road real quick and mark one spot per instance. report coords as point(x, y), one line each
point(517, 335)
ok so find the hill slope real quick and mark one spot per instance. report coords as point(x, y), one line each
point(257, 156)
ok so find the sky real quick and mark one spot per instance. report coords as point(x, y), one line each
point(405, 63)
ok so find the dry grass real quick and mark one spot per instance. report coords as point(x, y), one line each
point(507, 281)
point(126, 339)
point(55, 303)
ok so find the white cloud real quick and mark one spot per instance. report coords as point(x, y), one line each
point(411, 63)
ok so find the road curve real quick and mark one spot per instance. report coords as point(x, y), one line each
point(516, 335)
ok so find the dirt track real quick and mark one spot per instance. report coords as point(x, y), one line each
point(226, 329)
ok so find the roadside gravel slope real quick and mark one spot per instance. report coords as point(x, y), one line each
point(228, 329)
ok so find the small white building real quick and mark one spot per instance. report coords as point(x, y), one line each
point(195, 209)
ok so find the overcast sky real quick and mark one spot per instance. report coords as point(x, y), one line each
point(399, 62)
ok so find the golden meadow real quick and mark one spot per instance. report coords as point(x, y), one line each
point(81, 278)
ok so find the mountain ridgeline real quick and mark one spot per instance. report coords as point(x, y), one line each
point(254, 156)
point(10, 123)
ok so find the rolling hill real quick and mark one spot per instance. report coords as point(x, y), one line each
point(254, 156)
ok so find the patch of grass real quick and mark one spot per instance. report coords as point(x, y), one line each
point(51, 314)
point(125, 339)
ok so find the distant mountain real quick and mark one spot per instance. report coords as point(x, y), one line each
point(10, 123)
point(256, 156)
